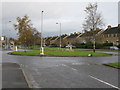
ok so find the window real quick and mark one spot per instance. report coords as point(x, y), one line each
point(113, 35)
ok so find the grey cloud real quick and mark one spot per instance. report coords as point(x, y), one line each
point(71, 15)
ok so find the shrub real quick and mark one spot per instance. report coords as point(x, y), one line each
point(107, 44)
point(90, 45)
point(53, 45)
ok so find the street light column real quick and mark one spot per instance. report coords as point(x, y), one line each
point(60, 35)
point(42, 49)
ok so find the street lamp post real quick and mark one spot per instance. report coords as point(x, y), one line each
point(42, 49)
point(60, 33)
point(8, 39)
point(94, 41)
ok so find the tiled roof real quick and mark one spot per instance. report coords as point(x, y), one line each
point(90, 33)
point(48, 38)
point(53, 38)
point(73, 36)
point(113, 30)
point(62, 37)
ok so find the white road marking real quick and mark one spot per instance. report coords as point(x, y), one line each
point(69, 67)
point(66, 66)
point(104, 82)
point(74, 69)
point(77, 63)
point(63, 65)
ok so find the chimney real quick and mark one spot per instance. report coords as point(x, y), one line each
point(118, 25)
point(109, 27)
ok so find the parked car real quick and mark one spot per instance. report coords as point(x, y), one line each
point(114, 48)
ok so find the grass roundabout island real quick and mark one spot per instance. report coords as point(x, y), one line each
point(60, 53)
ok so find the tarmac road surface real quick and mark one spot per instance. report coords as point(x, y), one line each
point(67, 72)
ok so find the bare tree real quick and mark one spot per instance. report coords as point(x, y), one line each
point(93, 20)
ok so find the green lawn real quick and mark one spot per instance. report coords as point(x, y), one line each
point(117, 65)
point(59, 52)
point(36, 47)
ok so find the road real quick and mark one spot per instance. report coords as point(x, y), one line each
point(67, 72)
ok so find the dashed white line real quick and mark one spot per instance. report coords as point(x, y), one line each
point(104, 82)
point(74, 69)
point(63, 65)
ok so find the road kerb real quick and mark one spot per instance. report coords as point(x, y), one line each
point(27, 78)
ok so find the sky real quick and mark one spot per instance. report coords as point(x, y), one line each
point(71, 15)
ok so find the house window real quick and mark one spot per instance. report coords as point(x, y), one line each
point(102, 35)
point(113, 35)
point(110, 35)
point(117, 42)
point(107, 41)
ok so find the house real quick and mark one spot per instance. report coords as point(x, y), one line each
point(111, 35)
point(72, 38)
point(53, 40)
point(65, 39)
point(47, 41)
point(88, 36)
point(56, 40)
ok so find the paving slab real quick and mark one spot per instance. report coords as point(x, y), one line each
point(12, 76)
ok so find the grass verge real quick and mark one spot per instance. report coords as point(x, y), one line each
point(59, 53)
point(115, 65)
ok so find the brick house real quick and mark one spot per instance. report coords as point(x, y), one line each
point(72, 38)
point(56, 40)
point(111, 35)
point(88, 36)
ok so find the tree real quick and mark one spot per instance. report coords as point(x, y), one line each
point(93, 20)
point(37, 36)
point(26, 32)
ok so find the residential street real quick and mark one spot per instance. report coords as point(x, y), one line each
point(67, 72)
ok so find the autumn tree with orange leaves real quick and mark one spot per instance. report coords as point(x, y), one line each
point(26, 32)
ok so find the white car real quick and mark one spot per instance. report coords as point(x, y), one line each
point(114, 48)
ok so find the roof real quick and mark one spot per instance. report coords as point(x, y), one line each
point(48, 38)
point(90, 33)
point(62, 37)
point(73, 35)
point(53, 38)
point(113, 30)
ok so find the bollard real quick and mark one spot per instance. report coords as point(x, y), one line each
point(41, 51)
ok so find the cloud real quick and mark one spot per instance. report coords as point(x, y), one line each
point(70, 14)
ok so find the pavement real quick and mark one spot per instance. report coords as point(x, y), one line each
point(12, 76)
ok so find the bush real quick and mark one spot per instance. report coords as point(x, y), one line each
point(83, 45)
point(53, 45)
point(90, 45)
point(99, 46)
point(107, 44)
